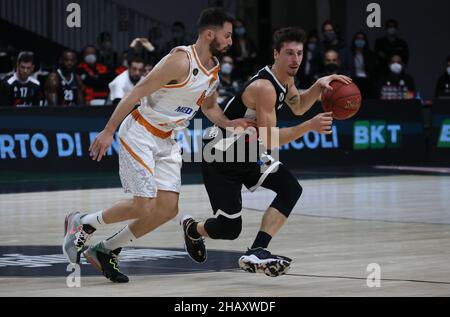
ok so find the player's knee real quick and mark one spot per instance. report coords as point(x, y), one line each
point(223, 228)
point(172, 213)
point(235, 229)
point(287, 198)
point(142, 207)
point(297, 191)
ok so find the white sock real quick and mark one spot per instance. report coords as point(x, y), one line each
point(121, 239)
point(95, 219)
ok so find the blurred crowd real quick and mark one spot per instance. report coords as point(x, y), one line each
point(100, 76)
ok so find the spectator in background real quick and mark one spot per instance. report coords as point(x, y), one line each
point(228, 86)
point(386, 46)
point(312, 62)
point(363, 66)
point(147, 69)
point(243, 51)
point(123, 64)
point(20, 89)
point(64, 87)
point(396, 84)
point(95, 77)
point(332, 41)
point(143, 48)
point(106, 55)
point(125, 82)
point(443, 83)
point(179, 37)
point(331, 63)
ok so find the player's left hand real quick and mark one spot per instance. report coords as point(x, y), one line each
point(241, 124)
point(324, 82)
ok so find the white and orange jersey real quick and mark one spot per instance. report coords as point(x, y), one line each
point(172, 106)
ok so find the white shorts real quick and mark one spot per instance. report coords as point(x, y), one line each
point(147, 163)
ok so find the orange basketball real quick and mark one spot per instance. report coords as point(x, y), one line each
point(344, 100)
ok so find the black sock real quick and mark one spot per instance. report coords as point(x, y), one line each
point(192, 231)
point(262, 240)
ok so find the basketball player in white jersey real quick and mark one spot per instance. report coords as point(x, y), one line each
point(150, 159)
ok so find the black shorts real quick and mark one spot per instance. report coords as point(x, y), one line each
point(224, 180)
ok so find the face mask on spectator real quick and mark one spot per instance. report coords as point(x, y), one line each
point(360, 43)
point(391, 31)
point(240, 31)
point(331, 67)
point(312, 46)
point(448, 70)
point(329, 36)
point(226, 69)
point(396, 68)
point(90, 59)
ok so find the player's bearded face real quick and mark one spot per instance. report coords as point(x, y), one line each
point(216, 49)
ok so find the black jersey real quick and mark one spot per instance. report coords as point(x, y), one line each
point(68, 89)
point(236, 109)
point(14, 92)
point(241, 159)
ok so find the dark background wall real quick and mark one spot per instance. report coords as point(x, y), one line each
point(425, 25)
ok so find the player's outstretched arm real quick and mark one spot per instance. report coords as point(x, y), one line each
point(174, 67)
point(272, 136)
point(215, 114)
point(302, 102)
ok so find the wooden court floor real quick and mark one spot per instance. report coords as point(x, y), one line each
point(399, 223)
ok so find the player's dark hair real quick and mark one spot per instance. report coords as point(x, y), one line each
point(25, 57)
point(213, 17)
point(289, 34)
point(69, 51)
point(136, 60)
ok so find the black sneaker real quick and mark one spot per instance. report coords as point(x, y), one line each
point(260, 260)
point(107, 262)
point(195, 248)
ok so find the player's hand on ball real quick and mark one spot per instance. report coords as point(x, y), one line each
point(100, 145)
point(324, 82)
point(322, 123)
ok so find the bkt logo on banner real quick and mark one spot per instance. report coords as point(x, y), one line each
point(376, 135)
point(444, 136)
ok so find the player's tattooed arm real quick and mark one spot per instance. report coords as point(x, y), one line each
point(300, 102)
point(293, 99)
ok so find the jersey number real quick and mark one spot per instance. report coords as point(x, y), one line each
point(68, 95)
point(23, 92)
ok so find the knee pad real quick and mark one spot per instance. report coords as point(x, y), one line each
point(223, 228)
point(287, 197)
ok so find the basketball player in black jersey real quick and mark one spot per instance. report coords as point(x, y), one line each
point(20, 89)
point(64, 87)
point(260, 98)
